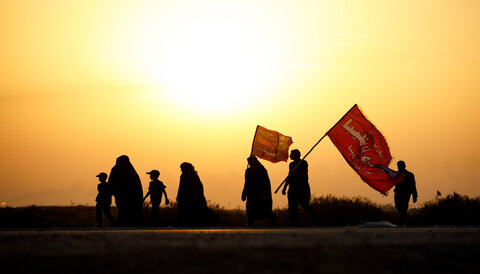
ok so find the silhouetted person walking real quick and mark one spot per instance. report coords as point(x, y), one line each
point(192, 205)
point(104, 200)
point(403, 190)
point(128, 192)
point(258, 192)
point(156, 190)
point(298, 188)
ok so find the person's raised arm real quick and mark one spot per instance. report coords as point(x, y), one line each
point(146, 195)
point(166, 198)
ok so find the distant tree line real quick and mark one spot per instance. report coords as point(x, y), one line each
point(452, 210)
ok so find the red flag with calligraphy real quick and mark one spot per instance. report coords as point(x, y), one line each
point(365, 150)
point(270, 145)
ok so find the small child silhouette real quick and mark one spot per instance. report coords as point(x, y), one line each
point(155, 190)
point(104, 200)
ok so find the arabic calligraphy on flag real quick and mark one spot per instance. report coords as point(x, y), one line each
point(270, 145)
point(365, 149)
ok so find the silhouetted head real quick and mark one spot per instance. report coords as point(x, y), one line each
point(187, 167)
point(122, 160)
point(154, 174)
point(401, 165)
point(102, 177)
point(295, 154)
point(252, 161)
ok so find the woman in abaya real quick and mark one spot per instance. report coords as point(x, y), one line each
point(192, 205)
point(257, 192)
point(128, 192)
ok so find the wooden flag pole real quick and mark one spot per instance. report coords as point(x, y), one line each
point(312, 149)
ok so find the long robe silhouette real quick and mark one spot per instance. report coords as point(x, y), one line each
point(127, 190)
point(257, 192)
point(192, 205)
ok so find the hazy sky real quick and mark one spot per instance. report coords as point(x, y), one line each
point(83, 82)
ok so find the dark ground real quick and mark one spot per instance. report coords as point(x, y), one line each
point(239, 250)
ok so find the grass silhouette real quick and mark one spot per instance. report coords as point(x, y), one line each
point(453, 209)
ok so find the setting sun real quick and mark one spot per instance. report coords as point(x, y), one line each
point(206, 58)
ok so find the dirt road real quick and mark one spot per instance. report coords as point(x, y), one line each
point(238, 250)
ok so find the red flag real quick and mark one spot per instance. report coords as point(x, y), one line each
point(364, 149)
point(270, 145)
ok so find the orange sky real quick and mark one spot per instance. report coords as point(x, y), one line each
point(163, 82)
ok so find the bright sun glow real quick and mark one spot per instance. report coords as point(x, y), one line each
point(212, 60)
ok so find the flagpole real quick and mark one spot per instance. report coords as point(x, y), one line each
point(312, 149)
point(298, 164)
point(340, 119)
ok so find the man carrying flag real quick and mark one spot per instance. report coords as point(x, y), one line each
point(403, 190)
point(271, 146)
point(298, 188)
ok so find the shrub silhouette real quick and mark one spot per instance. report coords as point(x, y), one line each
point(48, 216)
point(336, 211)
point(454, 209)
